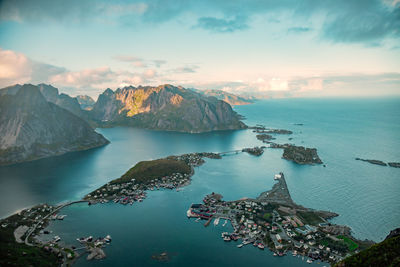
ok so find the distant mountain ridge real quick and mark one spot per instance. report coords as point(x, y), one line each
point(85, 101)
point(229, 98)
point(165, 107)
point(33, 127)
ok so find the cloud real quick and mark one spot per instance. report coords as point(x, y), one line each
point(158, 63)
point(368, 22)
point(150, 73)
point(360, 84)
point(140, 62)
point(185, 69)
point(14, 67)
point(343, 21)
point(222, 25)
point(17, 68)
point(84, 78)
point(299, 30)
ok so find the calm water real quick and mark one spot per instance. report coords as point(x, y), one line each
point(365, 195)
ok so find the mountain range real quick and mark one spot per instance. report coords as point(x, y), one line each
point(38, 121)
point(229, 98)
point(165, 107)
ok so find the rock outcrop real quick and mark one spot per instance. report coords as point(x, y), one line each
point(62, 100)
point(165, 107)
point(31, 127)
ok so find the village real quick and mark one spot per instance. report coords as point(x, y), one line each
point(173, 172)
point(274, 221)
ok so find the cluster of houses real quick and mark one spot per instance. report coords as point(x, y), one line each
point(131, 191)
point(196, 159)
point(265, 224)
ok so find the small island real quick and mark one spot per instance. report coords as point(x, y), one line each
point(373, 161)
point(301, 155)
point(255, 151)
point(263, 130)
point(380, 162)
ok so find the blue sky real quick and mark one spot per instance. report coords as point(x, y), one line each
point(303, 48)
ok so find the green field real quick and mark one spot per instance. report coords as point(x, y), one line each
point(350, 243)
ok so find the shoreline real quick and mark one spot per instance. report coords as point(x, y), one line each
point(193, 160)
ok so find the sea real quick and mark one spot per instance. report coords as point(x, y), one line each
point(365, 196)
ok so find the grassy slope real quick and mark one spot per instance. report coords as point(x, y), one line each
point(145, 171)
point(386, 253)
point(12, 253)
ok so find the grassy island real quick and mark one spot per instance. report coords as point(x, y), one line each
point(145, 171)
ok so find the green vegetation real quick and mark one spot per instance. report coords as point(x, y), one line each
point(310, 218)
point(350, 243)
point(146, 171)
point(336, 245)
point(15, 254)
point(386, 253)
point(267, 216)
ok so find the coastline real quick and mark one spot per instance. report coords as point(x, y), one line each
point(278, 195)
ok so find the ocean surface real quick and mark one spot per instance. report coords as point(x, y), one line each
point(366, 196)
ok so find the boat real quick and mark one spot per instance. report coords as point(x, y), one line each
point(275, 254)
point(227, 238)
point(57, 238)
point(240, 245)
point(261, 246)
point(198, 219)
point(309, 261)
point(107, 239)
point(216, 222)
point(226, 221)
point(189, 213)
point(61, 217)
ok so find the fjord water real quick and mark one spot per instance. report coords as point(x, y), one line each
point(365, 195)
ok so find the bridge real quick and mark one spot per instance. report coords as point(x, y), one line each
point(45, 217)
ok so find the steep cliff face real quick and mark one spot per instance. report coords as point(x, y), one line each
point(32, 127)
point(62, 100)
point(164, 107)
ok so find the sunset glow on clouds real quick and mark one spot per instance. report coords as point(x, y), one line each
point(264, 48)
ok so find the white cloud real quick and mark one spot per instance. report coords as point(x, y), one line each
point(313, 84)
point(84, 78)
point(14, 68)
point(150, 73)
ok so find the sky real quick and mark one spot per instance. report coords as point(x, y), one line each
point(265, 48)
